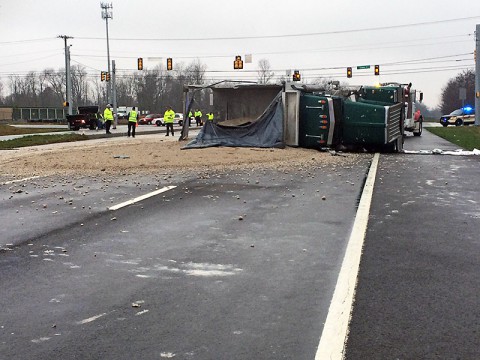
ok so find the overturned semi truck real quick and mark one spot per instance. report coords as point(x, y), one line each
point(364, 118)
point(372, 118)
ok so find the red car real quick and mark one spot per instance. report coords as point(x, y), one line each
point(148, 119)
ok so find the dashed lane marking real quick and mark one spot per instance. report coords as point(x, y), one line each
point(335, 330)
point(140, 198)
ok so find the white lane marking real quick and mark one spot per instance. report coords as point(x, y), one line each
point(143, 197)
point(42, 339)
point(20, 180)
point(93, 318)
point(141, 312)
point(335, 330)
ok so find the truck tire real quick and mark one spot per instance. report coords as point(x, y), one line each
point(458, 122)
point(391, 147)
point(420, 128)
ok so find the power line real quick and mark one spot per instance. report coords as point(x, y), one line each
point(26, 41)
point(292, 35)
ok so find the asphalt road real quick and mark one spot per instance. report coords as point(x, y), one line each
point(242, 265)
point(417, 294)
point(235, 266)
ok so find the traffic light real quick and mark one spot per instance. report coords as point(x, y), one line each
point(140, 63)
point(66, 104)
point(296, 75)
point(238, 63)
point(169, 63)
point(103, 75)
point(349, 72)
point(377, 69)
point(107, 76)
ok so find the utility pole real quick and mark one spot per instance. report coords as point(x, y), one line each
point(107, 14)
point(477, 76)
point(115, 123)
point(68, 84)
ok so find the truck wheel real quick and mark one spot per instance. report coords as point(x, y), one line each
point(420, 129)
point(391, 147)
point(445, 125)
point(458, 122)
point(180, 122)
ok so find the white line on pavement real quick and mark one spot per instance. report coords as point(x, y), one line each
point(20, 180)
point(140, 198)
point(335, 330)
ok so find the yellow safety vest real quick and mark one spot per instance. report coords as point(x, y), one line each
point(210, 116)
point(108, 114)
point(133, 116)
point(168, 117)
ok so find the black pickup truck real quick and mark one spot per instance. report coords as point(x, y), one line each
point(86, 118)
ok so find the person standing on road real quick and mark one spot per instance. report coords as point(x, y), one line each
point(168, 119)
point(190, 117)
point(108, 117)
point(210, 116)
point(132, 121)
point(198, 117)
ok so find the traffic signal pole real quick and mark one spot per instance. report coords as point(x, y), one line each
point(477, 76)
point(114, 95)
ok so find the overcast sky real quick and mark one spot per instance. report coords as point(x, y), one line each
point(425, 42)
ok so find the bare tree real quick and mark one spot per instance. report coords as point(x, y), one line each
point(79, 85)
point(56, 80)
point(147, 89)
point(1, 93)
point(195, 72)
point(264, 72)
point(450, 93)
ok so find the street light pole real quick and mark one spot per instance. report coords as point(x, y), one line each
point(477, 76)
point(107, 14)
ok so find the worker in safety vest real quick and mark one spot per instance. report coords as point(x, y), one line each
point(168, 117)
point(210, 116)
point(108, 117)
point(198, 117)
point(190, 117)
point(132, 122)
point(100, 121)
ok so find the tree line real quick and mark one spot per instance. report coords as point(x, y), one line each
point(154, 89)
point(151, 90)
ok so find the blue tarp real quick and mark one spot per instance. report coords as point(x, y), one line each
point(265, 132)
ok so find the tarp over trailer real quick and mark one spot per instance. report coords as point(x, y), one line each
point(264, 132)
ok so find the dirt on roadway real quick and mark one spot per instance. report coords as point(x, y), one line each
point(154, 154)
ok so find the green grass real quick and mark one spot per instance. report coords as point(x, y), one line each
point(467, 137)
point(40, 140)
point(12, 130)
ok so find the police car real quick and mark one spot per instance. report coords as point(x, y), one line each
point(463, 116)
point(161, 122)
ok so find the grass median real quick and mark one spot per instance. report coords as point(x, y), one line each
point(34, 140)
point(6, 130)
point(467, 137)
